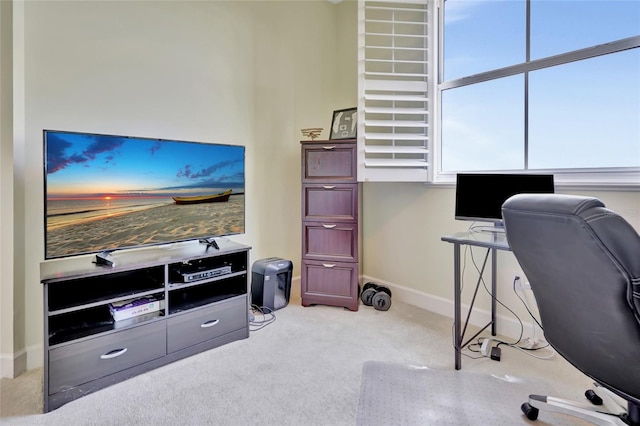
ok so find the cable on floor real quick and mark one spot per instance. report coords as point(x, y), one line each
point(262, 317)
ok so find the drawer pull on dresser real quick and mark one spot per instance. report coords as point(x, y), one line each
point(324, 225)
point(328, 186)
point(209, 323)
point(329, 147)
point(113, 354)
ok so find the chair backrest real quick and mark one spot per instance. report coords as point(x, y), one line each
point(583, 263)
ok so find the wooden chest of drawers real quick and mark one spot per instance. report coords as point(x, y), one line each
point(330, 224)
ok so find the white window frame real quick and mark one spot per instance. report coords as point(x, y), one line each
point(627, 178)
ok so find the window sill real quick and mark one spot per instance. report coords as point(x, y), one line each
point(601, 180)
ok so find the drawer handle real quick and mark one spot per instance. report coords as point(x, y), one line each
point(329, 265)
point(114, 353)
point(329, 147)
point(209, 323)
point(328, 186)
point(324, 225)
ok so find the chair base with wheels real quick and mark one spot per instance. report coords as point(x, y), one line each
point(605, 408)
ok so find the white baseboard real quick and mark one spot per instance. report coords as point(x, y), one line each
point(12, 365)
point(506, 326)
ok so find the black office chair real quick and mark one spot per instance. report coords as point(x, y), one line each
point(583, 263)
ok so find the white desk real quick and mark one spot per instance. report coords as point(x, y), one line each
point(492, 241)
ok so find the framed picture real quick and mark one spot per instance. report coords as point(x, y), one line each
point(344, 124)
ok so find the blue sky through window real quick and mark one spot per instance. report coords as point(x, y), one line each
point(581, 114)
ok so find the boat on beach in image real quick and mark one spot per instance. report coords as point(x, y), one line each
point(220, 197)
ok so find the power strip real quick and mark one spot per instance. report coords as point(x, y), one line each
point(495, 353)
point(485, 349)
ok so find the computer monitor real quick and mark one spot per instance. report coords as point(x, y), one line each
point(479, 196)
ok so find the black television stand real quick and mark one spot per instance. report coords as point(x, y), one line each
point(84, 339)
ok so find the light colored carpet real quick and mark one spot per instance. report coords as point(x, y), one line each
point(305, 368)
point(395, 394)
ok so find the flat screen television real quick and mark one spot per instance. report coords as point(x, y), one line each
point(479, 196)
point(106, 192)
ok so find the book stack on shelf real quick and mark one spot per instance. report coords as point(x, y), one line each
point(134, 307)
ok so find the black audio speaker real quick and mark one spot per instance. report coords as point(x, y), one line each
point(271, 282)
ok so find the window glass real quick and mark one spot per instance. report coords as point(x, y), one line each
point(563, 26)
point(480, 35)
point(586, 113)
point(573, 105)
point(482, 125)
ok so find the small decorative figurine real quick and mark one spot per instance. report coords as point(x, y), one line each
point(312, 132)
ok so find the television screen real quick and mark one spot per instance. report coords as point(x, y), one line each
point(105, 192)
point(479, 196)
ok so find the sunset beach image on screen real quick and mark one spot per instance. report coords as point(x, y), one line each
point(105, 192)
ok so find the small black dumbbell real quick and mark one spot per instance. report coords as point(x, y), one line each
point(368, 291)
point(377, 296)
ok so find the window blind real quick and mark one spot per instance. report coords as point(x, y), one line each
point(393, 91)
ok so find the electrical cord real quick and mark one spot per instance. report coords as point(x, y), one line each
point(464, 265)
point(267, 314)
point(484, 284)
point(525, 305)
point(474, 347)
point(469, 346)
point(527, 350)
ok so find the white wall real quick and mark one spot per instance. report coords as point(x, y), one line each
point(240, 72)
point(251, 73)
point(6, 189)
point(403, 224)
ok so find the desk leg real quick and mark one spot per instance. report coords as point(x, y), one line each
point(457, 338)
point(494, 296)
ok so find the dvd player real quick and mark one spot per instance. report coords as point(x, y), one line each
point(204, 274)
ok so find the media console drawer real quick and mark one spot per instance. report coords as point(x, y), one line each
point(191, 328)
point(82, 362)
